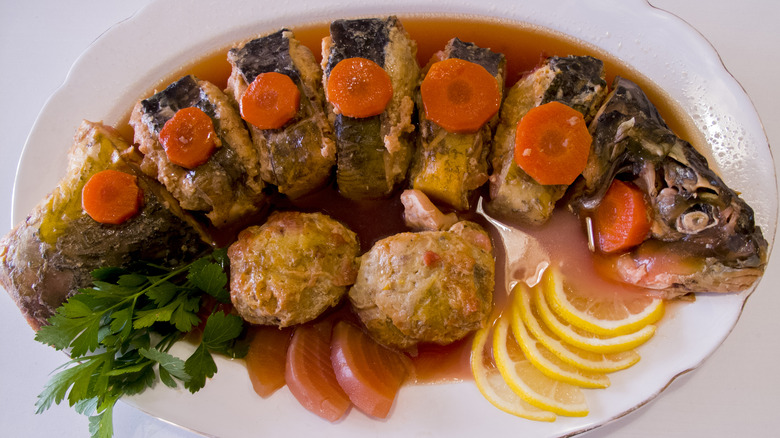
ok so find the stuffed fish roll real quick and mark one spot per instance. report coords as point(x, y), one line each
point(576, 81)
point(293, 139)
point(370, 73)
point(194, 142)
point(50, 255)
point(451, 157)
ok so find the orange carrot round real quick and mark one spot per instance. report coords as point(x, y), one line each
point(359, 87)
point(270, 101)
point(460, 96)
point(189, 137)
point(552, 143)
point(111, 197)
point(621, 221)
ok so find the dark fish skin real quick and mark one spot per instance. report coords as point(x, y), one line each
point(183, 93)
point(361, 157)
point(363, 38)
point(690, 204)
point(448, 167)
point(492, 61)
point(50, 255)
point(373, 153)
point(577, 81)
point(298, 157)
point(265, 54)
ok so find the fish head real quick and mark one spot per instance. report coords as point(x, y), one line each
point(693, 213)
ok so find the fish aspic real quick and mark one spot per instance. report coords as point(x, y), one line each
point(702, 236)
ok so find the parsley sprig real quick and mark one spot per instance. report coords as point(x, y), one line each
point(119, 333)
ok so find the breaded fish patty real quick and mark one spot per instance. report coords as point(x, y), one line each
point(430, 287)
point(292, 268)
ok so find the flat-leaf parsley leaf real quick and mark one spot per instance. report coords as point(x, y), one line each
point(119, 333)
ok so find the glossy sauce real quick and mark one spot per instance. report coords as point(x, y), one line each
point(524, 48)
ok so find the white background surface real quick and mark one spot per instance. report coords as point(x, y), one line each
point(736, 392)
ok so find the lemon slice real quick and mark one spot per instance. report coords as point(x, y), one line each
point(583, 339)
point(531, 384)
point(524, 312)
point(550, 364)
point(607, 315)
point(495, 389)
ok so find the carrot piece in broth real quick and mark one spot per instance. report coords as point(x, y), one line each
point(552, 143)
point(189, 137)
point(270, 101)
point(359, 87)
point(460, 96)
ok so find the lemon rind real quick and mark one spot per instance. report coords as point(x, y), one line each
point(596, 344)
point(556, 299)
point(487, 386)
point(533, 350)
point(513, 379)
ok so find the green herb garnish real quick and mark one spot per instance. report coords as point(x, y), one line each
point(119, 332)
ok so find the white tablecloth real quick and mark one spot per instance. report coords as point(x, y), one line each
point(736, 392)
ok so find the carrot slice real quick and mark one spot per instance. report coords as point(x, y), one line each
point(552, 143)
point(370, 373)
point(359, 87)
point(111, 197)
point(267, 357)
point(460, 96)
point(620, 221)
point(189, 137)
point(309, 372)
point(270, 101)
